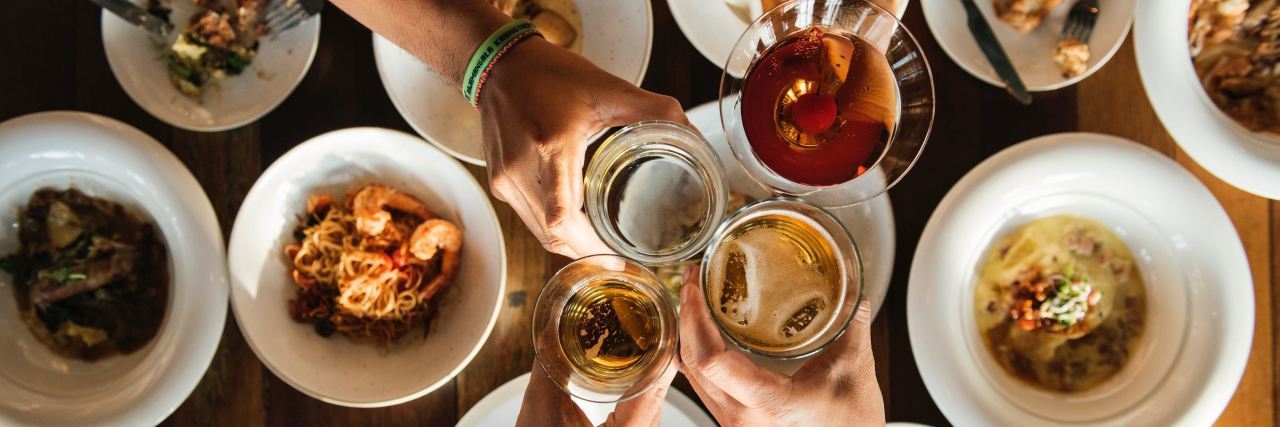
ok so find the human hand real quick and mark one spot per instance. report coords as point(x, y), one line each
point(836, 387)
point(538, 109)
point(546, 404)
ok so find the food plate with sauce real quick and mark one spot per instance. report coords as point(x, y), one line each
point(336, 367)
point(616, 35)
point(1248, 160)
point(1174, 243)
point(138, 62)
point(108, 160)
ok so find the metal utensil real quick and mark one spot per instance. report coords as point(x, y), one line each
point(995, 53)
point(281, 15)
point(136, 15)
point(1080, 21)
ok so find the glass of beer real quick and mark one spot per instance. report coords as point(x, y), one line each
point(604, 329)
point(782, 278)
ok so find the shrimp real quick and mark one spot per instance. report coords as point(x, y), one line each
point(438, 237)
point(369, 207)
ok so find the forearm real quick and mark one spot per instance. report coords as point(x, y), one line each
point(441, 33)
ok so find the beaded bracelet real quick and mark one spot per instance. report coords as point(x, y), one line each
point(494, 47)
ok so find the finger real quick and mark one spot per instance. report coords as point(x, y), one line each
point(562, 194)
point(645, 409)
point(654, 107)
point(546, 404)
point(705, 356)
point(849, 357)
point(716, 401)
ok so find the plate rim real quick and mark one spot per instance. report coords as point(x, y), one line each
point(994, 80)
point(334, 138)
point(490, 401)
point(1228, 371)
point(401, 106)
point(1199, 135)
point(153, 111)
point(203, 219)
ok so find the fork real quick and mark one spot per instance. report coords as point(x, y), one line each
point(1080, 21)
point(281, 15)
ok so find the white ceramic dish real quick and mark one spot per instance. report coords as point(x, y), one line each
point(279, 66)
point(1030, 53)
point(336, 369)
point(617, 36)
point(105, 158)
point(714, 26)
point(870, 223)
point(1245, 159)
point(501, 406)
point(1199, 289)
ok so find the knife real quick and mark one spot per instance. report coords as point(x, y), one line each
point(995, 53)
point(136, 15)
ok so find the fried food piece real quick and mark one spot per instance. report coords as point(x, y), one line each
point(1024, 15)
point(1072, 56)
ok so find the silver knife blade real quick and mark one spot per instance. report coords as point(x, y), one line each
point(995, 53)
point(136, 15)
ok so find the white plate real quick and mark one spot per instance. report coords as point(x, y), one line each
point(1248, 160)
point(138, 64)
point(616, 35)
point(1199, 289)
point(1031, 53)
point(105, 158)
point(713, 26)
point(336, 369)
point(870, 223)
point(501, 406)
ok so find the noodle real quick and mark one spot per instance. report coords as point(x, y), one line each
point(366, 287)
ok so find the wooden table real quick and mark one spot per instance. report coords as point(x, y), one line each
point(66, 69)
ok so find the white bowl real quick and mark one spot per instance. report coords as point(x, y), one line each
point(105, 158)
point(870, 223)
point(501, 407)
point(336, 369)
point(1199, 318)
point(713, 26)
point(616, 35)
point(1030, 53)
point(1245, 159)
point(137, 62)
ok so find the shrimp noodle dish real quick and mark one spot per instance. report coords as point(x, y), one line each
point(369, 268)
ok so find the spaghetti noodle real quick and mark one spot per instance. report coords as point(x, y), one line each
point(367, 271)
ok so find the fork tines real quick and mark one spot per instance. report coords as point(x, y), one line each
point(1080, 21)
point(281, 15)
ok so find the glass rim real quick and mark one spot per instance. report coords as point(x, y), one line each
point(665, 305)
point(710, 173)
point(728, 94)
point(856, 254)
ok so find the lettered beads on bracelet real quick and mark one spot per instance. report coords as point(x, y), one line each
point(493, 48)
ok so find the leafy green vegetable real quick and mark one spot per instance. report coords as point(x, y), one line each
point(62, 274)
point(235, 64)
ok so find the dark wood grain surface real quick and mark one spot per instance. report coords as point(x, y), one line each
point(53, 60)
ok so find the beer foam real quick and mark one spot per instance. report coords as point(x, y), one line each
point(766, 291)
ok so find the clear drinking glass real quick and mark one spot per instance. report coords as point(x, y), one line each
point(910, 71)
point(655, 191)
point(845, 259)
point(604, 329)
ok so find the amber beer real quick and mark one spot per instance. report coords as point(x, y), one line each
point(608, 329)
point(775, 282)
